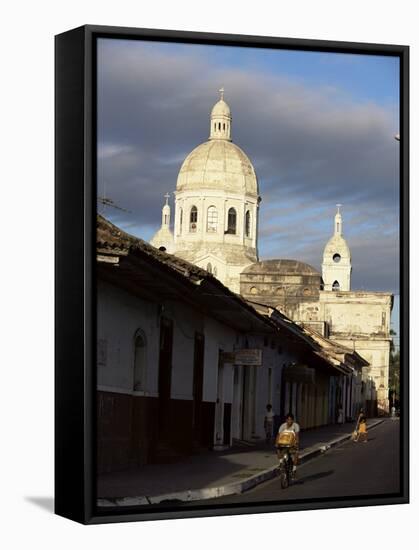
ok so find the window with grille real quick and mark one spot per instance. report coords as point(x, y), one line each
point(193, 219)
point(212, 219)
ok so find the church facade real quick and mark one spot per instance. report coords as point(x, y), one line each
point(216, 205)
point(216, 228)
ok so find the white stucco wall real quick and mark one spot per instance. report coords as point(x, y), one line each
point(120, 315)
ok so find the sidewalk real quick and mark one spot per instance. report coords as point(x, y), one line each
point(214, 473)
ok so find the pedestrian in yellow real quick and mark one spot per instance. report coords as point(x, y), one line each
point(362, 428)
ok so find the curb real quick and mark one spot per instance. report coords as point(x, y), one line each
point(229, 489)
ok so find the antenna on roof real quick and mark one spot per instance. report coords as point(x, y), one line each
point(106, 201)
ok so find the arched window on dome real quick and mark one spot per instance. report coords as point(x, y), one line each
point(180, 221)
point(193, 219)
point(219, 125)
point(247, 223)
point(336, 286)
point(231, 221)
point(140, 361)
point(212, 219)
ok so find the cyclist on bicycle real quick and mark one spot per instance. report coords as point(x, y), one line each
point(291, 426)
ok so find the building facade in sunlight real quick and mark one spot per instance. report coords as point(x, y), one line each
point(216, 228)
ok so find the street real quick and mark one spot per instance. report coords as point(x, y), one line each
point(350, 469)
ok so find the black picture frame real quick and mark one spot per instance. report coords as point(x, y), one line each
point(75, 215)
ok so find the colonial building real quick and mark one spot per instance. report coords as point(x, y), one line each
point(358, 320)
point(216, 227)
point(184, 364)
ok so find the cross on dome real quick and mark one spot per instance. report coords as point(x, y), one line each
point(221, 90)
point(167, 197)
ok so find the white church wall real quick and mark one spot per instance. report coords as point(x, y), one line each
point(357, 312)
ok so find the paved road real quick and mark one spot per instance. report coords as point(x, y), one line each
point(351, 469)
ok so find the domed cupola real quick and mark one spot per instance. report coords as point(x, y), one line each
point(336, 266)
point(220, 124)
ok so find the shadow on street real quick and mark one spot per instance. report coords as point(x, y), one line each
point(313, 477)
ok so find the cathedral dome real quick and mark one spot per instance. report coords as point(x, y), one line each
point(217, 203)
point(281, 267)
point(218, 164)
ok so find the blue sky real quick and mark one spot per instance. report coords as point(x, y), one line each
point(366, 77)
point(318, 127)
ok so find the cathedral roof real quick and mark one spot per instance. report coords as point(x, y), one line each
point(221, 108)
point(282, 267)
point(336, 244)
point(218, 164)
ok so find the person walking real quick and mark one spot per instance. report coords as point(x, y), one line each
point(268, 422)
point(362, 431)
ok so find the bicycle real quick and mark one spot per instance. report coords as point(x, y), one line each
point(285, 466)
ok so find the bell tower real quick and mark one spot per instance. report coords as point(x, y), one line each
point(220, 124)
point(336, 266)
point(163, 239)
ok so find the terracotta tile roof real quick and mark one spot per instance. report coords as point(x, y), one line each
point(111, 240)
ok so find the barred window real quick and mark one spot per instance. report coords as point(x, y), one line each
point(212, 219)
point(193, 219)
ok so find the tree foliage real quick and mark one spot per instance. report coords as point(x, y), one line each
point(394, 372)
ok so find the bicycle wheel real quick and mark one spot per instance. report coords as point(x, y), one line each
point(284, 477)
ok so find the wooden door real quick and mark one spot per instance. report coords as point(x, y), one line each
point(198, 378)
point(165, 372)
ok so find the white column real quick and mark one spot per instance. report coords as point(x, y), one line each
point(203, 214)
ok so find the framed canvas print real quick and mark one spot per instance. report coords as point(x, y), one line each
point(231, 274)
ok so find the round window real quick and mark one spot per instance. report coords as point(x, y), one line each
point(336, 258)
point(253, 290)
